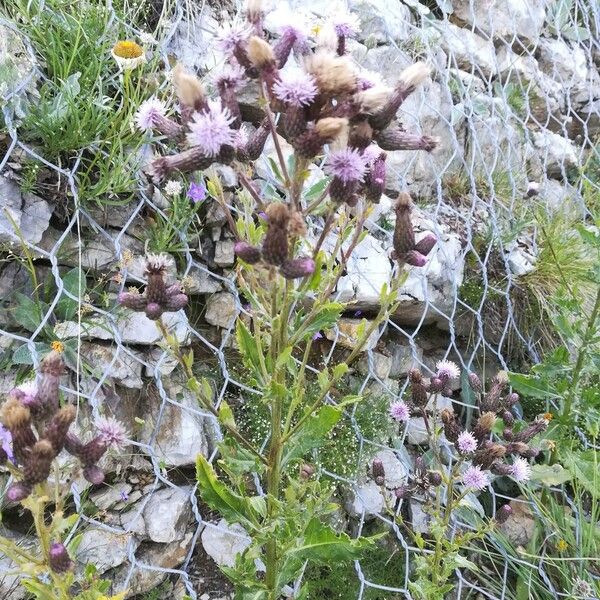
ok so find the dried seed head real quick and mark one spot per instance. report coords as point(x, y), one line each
point(297, 225)
point(373, 99)
point(412, 76)
point(331, 127)
point(260, 52)
point(254, 10)
point(486, 421)
point(278, 214)
point(14, 415)
point(334, 74)
point(475, 383)
point(189, 88)
point(58, 427)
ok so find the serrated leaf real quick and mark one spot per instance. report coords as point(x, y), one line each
point(550, 475)
point(315, 190)
point(340, 370)
point(584, 466)
point(218, 496)
point(247, 347)
point(327, 316)
point(312, 433)
point(323, 545)
point(533, 387)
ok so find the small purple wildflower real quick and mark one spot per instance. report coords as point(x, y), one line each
point(466, 443)
point(357, 313)
point(400, 412)
point(520, 470)
point(211, 129)
point(317, 336)
point(196, 192)
point(475, 478)
point(447, 370)
point(347, 165)
point(111, 431)
point(6, 442)
point(124, 496)
point(296, 88)
point(263, 216)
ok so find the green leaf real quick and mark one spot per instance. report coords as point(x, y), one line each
point(326, 318)
point(315, 190)
point(74, 283)
point(312, 434)
point(248, 347)
point(532, 387)
point(218, 496)
point(550, 475)
point(226, 414)
point(584, 467)
point(322, 544)
point(28, 313)
point(22, 355)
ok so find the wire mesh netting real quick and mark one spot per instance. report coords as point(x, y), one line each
point(515, 103)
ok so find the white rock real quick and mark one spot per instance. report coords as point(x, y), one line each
point(404, 358)
point(110, 495)
point(419, 519)
point(105, 549)
point(28, 213)
point(115, 363)
point(223, 542)
point(375, 363)
point(221, 310)
point(395, 472)
point(520, 260)
point(167, 514)
point(508, 19)
point(558, 153)
point(131, 327)
point(165, 361)
point(224, 256)
point(468, 50)
point(382, 21)
point(416, 432)
point(364, 500)
point(200, 281)
point(182, 432)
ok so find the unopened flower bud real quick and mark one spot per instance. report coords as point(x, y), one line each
point(247, 253)
point(475, 383)
point(403, 492)
point(18, 491)
point(306, 471)
point(508, 418)
point(275, 248)
point(503, 513)
point(435, 478)
point(58, 427)
point(378, 471)
point(418, 390)
point(297, 268)
point(512, 399)
point(436, 384)
point(37, 466)
point(59, 559)
point(93, 474)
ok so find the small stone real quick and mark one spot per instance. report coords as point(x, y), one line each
point(109, 496)
point(395, 472)
point(346, 334)
point(224, 255)
point(105, 549)
point(364, 500)
point(223, 542)
point(404, 358)
point(221, 310)
point(113, 362)
point(416, 432)
point(167, 514)
point(419, 519)
point(200, 281)
point(519, 527)
point(375, 363)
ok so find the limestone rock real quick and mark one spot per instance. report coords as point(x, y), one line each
point(221, 310)
point(346, 333)
point(364, 500)
point(375, 363)
point(223, 542)
point(520, 525)
point(105, 549)
point(123, 366)
point(396, 472)
point(558, 154)
point(382, 21)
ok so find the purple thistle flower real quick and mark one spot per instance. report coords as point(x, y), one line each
point(26, 392)
point(400, 412)
point(211, 129)
point(475, 478)
point(196, 192)
point(295, 88)
point(520, 470)
point(466, 443)
point(6, 443)
point(345, 23)
point(111, 431)
point(347, 165)
point(59, 558)
point(447, 370)
point(148, 113)
point(230, 76)
point(232, 35)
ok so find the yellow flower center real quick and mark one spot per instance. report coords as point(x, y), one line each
point(127, 49)
point(548, 416)
point(561, 545)
point(58, 346)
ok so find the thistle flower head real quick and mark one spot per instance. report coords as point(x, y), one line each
point(188, 87)
point(229, 76)
point(520, 470)
point(26, 392)
point(149, 111)
point(297, 268)
point(414, 75)
point(158, 263)
point(59, 559)
point(111, 431)
point(373, 99)
point(211, 129)
point(334, 74)
point(399, 411)
point(296, 88)
point(260, 52)
point(345, 23)
point(466, 443)
point(173, 188)
point(475, 478)
point(231, 35)
point(14, 415)
point(347, 165)
point(447, 370)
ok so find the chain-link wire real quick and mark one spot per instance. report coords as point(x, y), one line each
point(515, 99)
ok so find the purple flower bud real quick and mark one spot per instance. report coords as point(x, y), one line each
point(512, 399)
point(297, 268)
point(94, 474)
point(378, 471)
point(135, 302)
point(475, 383)
point(402, 493)
point(425, 245)
point(503, 513)
point(18, 491)
point(59, 559)
point(435, 478)
point(436, 385)
point(415, 259)
point(153, 311)
point(508, 418)
point(247, 253)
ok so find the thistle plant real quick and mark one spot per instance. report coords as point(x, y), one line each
point(460, 462)
point(310, 94)
point(36, 430)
